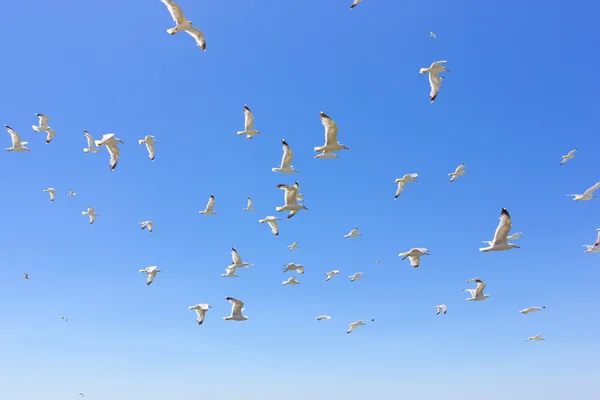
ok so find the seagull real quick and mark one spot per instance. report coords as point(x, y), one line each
point(249, 206)
point(209, 206)
point(352, 233)
point(569, 156)
point(433, 35)
point(294, 267)
point(441, 308)
point(434, 78)
point(65, 318)
point(327, 154)
point(357, 323)
point(355, 3)
point(51, 192)
point(500, 241)
point(331, 132)
point(272, 221)
point(535, 338)
point(26, 276)
point(293, 246)
point(43, 127)
point(201, 310)
point(378, 262)
point(357, 275)
point(322, 317)
point(237, 260)
point(80, 394)
point(591, 248)
point(230, 273)
point(331, 274)
point(17, 145)
point(286, 160)
point(149, 142)
point(236, 310)
point(147, 224)
point(460, 171)
point(71, 193)
point(91, 213)
point(588, 195)
point(249, 130)
point(183, 24)
point(291, 202)
point(291, 281)
point(403, 181)
point(477, 293)
point(91, 143)
point(110, 142)
point(414, 255)
point(531, 309)
point(151, 271)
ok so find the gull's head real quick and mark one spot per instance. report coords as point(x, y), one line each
point(486, 295)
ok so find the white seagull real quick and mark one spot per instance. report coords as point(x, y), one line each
point(249, 207)
point(272, 221)
point(299, 268)
point(237, 260)
point(149, 142)
point(357, 275)
point(403, 181)
point(90, 212)
point(331, 274)
point(414, 255)
point(17, 145)
point(433, 35)
point(322, 317)
point(355, 3)
point(535, 338)
point(183, 24)
point(230, 273)
point(460, 171)
point(236, 310)
point(441, 308)
point(357, 323)
point(65, 318)
point(331, 132)
point(531, 309)
point(249, 130)
point(434, 78)
point(286, 160)
point(378, 262)
point(51, 192)
point(500, 242)
point(291, 200)
point(110, 142)
point(293, 246)
point(291, 281)
point(26, 276)
point(151, 271)
point(209, 206)
point(91, 143)
point(43, 127)
point(147, 224)
point(477, 293)
point(352, 233)
point(588, 195)
point(201, 310)
point(569, 156)
point(71, 193)
point(590, 248)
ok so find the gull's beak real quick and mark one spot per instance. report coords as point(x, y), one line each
point(518, 247)
point(447, 70)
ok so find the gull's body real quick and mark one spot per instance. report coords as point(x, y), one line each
point(532, 309)
point(434, 78)
point(352, 233)
point(149, 142)
point(433, 35)
point(460, 171)
point(293, 246)
point(569, 156)
point(43, 127)
point(331, 274)
point(51, 192)
point(477, 293)
point(500, 241)
point(272, 221)
point(201, 310)
point(357, 275)
point(151, 271)
point(209, 206)
point(26, 276)
point(331, 132)
point(90, 212)
point(17, 145)
point(237, 260)
point(249, 130)
point(441, 308)
point(322, 317)
point(291, 200)
point(249, 207)
point(357, 323)
point(230, 273)
point(591, 248)
point(110, 142)
point(414, 255)
point(286, 160)
point(299, 268)
point(291, 281)
point(403, 181)
point(91, 143)
point(236, 310)
point(535, 338)
point(182, 24)
point(147, 224)
point(71, 193)
point(587, 195)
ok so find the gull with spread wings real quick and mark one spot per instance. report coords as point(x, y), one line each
point(17, 145)
point(500, 242)
point(434, 77)
point(587, 195)
point(183, 24)
point(477, 293)
point(286, 160)
point(249, 130)
point(236, 310)
point(291, 199)
point(331, 132)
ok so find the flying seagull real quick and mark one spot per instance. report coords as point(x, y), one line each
point(378, 262)
point(249, 206)
point(433, 35)
point(65, 318)
point(460, 171)
point(236, 310)
point(532, 309)
point(322, 317)
point(237, 260)
point(43, 127)
point(149, 142)
point(331, 274)
point(477, 293)
point(209, 206)
point(26, 276)
point(291, 281)
point(434, 78)
point(355, 3)
point(272, 221)
point(588, 195)
point(80, 394)
point(299, 268)
point(183, 24)
point(147, 224)
point(286, 160)
point(500, 242)
point(293, 246)
point(201, 310)
point(331, 132)
point(249, 130)
point(91, 143)
point(90, 212)
point(71, 193)
point(352, 233)
point(414, 255)
point(357, 323)
point(535, 338)
point(17, 145)
point(569, 156)
point(151, 271)
point(357, 275)
point(110, 142)
point(291, 201)
point(441, 308)
point(51, 192)
point(403, 181)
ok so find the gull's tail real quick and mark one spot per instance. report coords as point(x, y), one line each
point(172, 31)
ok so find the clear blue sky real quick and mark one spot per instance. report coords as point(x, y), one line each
point(519, 95)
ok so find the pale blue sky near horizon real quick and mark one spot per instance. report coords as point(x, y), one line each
point(518, 97)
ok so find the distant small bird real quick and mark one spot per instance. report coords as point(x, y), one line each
point(532, 309)
point(90, 212)
point(236, 310)
point(331, 133)
point(500, 242)
point(71, 193)
point(587, 195)
point(291, 201)
point(441, 308)
point(249, 207)
point(327, 154)
point(433, 35)
point(209, 206)
point(17, 145)
point(110, 142)
point(477, 293)
point(352, 233)
point(357, 323)
point(151, 272)
point(331, 274)
point(535, 338)
point(201, 310)
point(237, 260)
point(403, 181)
point(286, 160)
point(355, 3)
point(293, 246)
point(291, 281)
point(230, 273)
point(357, 275)
point(65, 319)
point(91, 144)
point(149, 142)
point(26, 276)
point(569, 156)
point(43, 127)
point(80, 394)
point(51, 192)
point(322, 317)
point(249, 130)
point(147, 224)
point(272, 221)
point(434, 78)
point(183, 24)
point(460, 171)
point(414, 255)
point(294, 267)
point(378, 262)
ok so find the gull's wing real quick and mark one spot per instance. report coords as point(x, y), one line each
point(250, 203)
point(471, 291)
point(290, 193)
point(151, 274)
point(355, 3)
point(114, 155)
point(16, 139)
point(248, 119)
point(105, 138)
point(504, 227)
point(175, 11)
point(459, 168)
point(150, 148)
point(43, 120)
point(437, 64)
point(596, 243)
point(435, 83)
point(50, 135)
point(591, 190)
point(235, 257)
point(480, 287)
point(211, 203)
point(414, 261)
point(198, 37)
point(90, 140)
point(572, 153)
point(236, 306)
point(352, 327)
point(286, 160)
point(331, 129)
point(401, 186)
point(201, 312)
point(274, 227)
